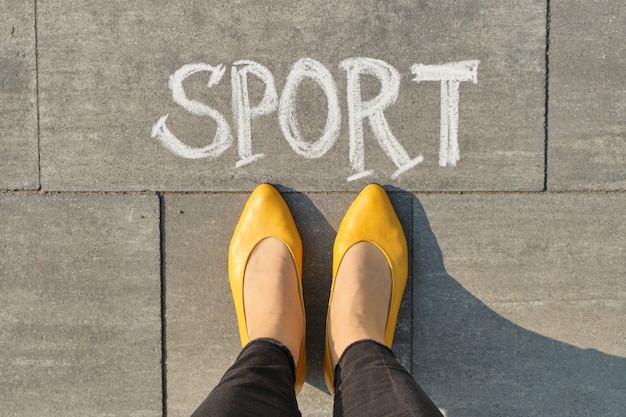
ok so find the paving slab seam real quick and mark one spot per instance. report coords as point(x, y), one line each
point(507, 193)
point(547, 96)
point(37, 99)
point(175, 193)
point(162, 236)
point(44, 192)
point(410, 288)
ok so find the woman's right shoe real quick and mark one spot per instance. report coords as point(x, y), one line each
point(371, 218)
point(265, 215)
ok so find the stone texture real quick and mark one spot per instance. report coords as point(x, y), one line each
point(104, 70)
point(19, 160)
point(80, 328)
point(520, 303)
point(516, 304)
point(202, 335)
point(587, 111)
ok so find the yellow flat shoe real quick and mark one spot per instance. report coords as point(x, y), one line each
point(371, 218)
point(265, 215)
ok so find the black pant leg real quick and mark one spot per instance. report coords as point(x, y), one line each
point(259, 383)
point(369, 381)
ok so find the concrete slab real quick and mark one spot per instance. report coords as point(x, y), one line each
point(202, 337)
point(520, 303)
point(104, 71)
point(19, 153)
point(587, 132)
point(80, 328)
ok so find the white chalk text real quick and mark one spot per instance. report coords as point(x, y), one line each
point(450, 76)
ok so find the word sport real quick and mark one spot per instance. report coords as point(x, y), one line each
point(450, 76)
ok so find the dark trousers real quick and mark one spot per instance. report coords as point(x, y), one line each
point(369, 381)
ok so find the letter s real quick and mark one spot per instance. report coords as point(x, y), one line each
point(223, 137)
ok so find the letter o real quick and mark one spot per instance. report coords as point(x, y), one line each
point(309, 68)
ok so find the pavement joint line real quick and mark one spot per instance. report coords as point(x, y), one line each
point(162, 256)
point(37, 97)
point(410, 289)
point(207, 193)
point(547, 98)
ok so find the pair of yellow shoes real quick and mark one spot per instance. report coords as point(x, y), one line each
point(370, 218)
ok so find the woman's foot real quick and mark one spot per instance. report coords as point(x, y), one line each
point(272, 297)
point(361, 297)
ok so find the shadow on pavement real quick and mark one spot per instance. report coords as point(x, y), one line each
point(471, 360)
point(317, 243)
point(318, 237)
point(474, 362)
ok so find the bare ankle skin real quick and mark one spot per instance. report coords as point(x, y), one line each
point(271, 296)
point(361, 298)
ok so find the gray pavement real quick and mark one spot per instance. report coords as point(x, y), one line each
point(19, 169)
point(587, 150)
point(80, 294)
point(507, 170)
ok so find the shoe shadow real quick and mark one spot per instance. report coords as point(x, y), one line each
point(474, 362)
point(318, 235)
point(471, 360)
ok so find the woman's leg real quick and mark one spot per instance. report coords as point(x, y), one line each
point(369, 381)
point(260, 383)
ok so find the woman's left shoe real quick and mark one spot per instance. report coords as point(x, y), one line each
point(265, 215)
point(371, 218)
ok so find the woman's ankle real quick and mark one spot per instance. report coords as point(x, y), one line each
point(361, 297)
point(272, 297)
